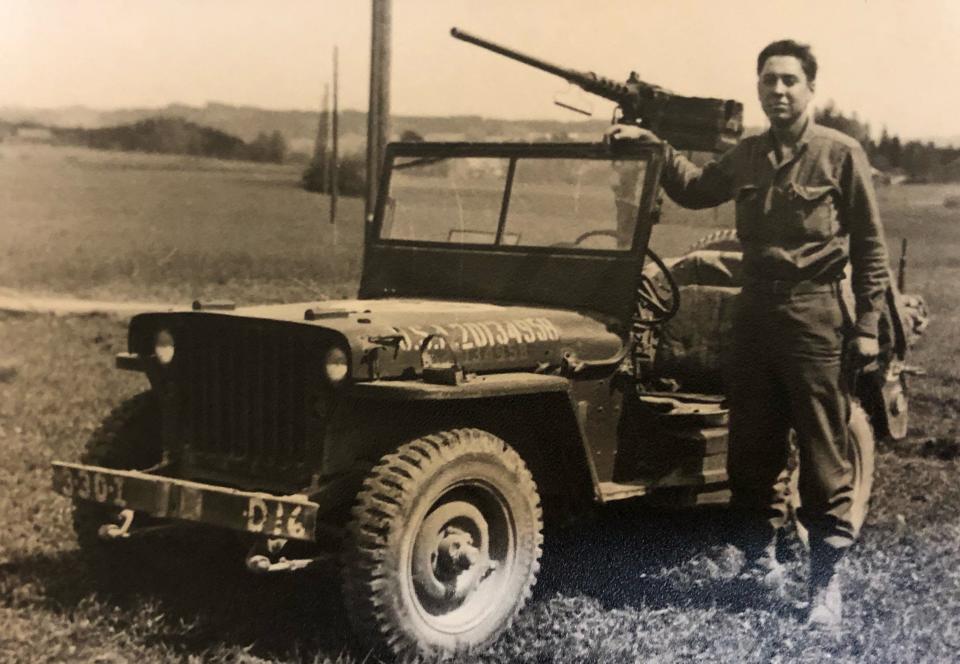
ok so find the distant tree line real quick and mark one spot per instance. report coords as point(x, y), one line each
point(351, 175)
point(920, 162)
point(178, 136)
point(350, 170)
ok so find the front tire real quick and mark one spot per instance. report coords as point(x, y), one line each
point(444, 545)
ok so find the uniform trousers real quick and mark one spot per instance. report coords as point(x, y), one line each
point(786, 372)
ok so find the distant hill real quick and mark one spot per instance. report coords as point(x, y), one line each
point(174, 135)
point(299, 127)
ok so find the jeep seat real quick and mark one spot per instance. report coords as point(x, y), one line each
point(692, 346)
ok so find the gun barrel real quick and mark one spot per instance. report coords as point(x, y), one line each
point(510, 53)
point(688, 123)
point(580, 78)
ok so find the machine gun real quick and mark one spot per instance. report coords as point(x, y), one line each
point(687, 123)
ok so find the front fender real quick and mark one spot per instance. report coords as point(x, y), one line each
point(535, 414)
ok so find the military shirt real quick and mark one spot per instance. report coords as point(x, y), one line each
point(802, 219)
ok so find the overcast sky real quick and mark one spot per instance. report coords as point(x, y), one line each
point(894, 62)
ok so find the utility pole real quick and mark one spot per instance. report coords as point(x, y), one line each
point(378, 108)
point(334, 152)
point(323, 132)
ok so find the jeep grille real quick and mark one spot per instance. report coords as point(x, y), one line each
point(249, 399)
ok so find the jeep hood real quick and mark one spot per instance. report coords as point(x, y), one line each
point(384, 336)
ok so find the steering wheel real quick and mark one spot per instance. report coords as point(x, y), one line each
point(659, 303)
point(586, 236)
point(603, 232)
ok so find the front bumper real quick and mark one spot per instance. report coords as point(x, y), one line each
point(289, 517)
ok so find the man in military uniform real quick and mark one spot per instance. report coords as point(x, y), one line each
point(805, 208)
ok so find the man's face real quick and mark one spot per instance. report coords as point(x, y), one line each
point(783, 89)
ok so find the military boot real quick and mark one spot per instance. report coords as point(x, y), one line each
point(763, 567)
point(826, 600)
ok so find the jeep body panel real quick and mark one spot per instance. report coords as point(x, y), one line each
point(384, 336)
point(245, 401)
point(533, 321)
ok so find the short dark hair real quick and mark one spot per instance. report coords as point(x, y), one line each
point(800, 51)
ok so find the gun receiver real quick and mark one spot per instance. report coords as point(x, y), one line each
point(687, 123)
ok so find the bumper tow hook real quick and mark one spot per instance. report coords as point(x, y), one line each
point(262, 558)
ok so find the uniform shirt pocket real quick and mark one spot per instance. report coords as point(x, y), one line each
point(816, 212)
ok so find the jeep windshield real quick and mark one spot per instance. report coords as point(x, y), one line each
point(565, 199)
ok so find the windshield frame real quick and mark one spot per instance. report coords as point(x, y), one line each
point(513, 152)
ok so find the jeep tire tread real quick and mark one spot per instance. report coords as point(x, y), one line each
point(443, 546)
point(724, 239)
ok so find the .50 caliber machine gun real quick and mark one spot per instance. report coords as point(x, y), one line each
point(687, 123)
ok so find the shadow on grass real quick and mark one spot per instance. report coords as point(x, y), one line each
point(627, 556)
point(634, 556)
point(205, 607)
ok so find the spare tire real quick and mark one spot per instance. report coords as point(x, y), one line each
point(724, 239)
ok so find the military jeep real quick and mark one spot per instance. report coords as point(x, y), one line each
point(507, 351)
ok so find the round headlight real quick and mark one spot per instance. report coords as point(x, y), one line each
point(163, 347)
point(336, 364)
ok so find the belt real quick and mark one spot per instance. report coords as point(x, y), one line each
point(779, 287)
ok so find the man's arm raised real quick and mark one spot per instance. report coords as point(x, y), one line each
point(685, 183)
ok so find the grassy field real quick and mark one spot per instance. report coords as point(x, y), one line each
point(109, 225)
point(170, 228)
point(631, 585)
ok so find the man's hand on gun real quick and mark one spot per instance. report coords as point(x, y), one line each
point(629, 132)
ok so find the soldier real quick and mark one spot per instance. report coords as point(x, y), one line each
point(805, 208)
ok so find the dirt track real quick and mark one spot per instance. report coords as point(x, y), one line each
point(17, 301)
